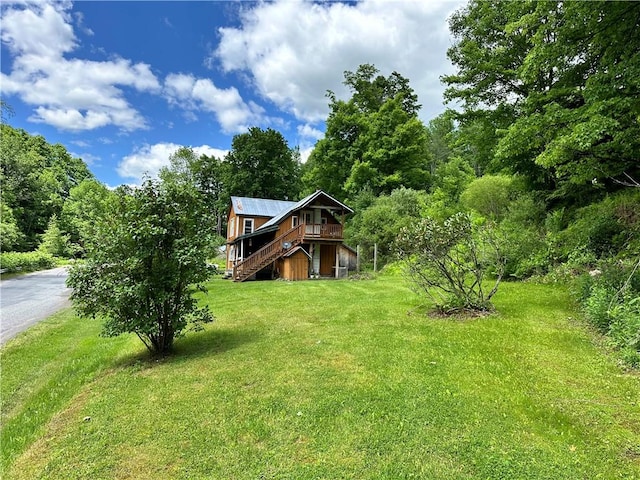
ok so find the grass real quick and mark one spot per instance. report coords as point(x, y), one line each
point(325, 379)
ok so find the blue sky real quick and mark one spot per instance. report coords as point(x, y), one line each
point(123, 84)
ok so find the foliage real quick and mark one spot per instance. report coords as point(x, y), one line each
point(559, 81)
point(450, 181)
point(25, 261)
point(10, 234)
point(143, 262)
point(261, 164)
point(36, 179)
point(610, 297)
point(207, 175)
point(381, 221)
point(489, 195)
point(372, 141)
point(607, 228)
point(447, 261)
point(83, 210)
point(526, 247)
point(54, 241)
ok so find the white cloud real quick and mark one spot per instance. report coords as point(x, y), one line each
point(68, 93)
point(147, 160)
point(194, 94)
point(88, 158)
point(293, 51)
point(307, 131)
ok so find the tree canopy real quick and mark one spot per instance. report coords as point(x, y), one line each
point(559, 82)
point(372, 141)
point(36, 179)
point(261, 164)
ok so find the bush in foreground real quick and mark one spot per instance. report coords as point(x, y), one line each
point(144, 264)
point(610, 298)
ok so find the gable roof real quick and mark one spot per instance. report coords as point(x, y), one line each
point(295, 250)
point(263, 207)
point(259, 207)
point(303, 203)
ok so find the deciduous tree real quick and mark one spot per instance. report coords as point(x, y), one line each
point(145, 263)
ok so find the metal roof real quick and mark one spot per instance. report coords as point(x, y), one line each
point(301, 204)
point(259, 207)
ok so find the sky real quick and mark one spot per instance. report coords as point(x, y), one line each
point(123, 85)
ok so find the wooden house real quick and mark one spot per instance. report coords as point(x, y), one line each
point(289, 240)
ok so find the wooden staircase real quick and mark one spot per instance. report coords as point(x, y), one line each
point(268, 254)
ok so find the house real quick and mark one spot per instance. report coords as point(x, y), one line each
point(289, 240)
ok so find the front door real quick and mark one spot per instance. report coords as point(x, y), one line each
point(327, 260)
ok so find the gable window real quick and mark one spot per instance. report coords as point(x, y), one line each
point(294, 221)
point(248, 225)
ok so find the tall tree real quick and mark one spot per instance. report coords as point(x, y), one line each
point(36, 179)
point(261, 164)
point(372, 141)
point(204, 173)
point(561, 83)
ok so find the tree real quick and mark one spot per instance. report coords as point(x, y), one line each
point(447, 261)
point(560, 83)
point(489, 195)
point(10, 234)
point(83, 210)
point(145, 263)
point(54, 241)
point(380, 222)
point(206, 174)
point(261, 164)
point(36, 178)
point(372, 141)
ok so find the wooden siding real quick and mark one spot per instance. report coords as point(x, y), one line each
point(296, 267)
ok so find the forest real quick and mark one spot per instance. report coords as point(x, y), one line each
point(541, 145)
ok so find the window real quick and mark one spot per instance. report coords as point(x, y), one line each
point(248, 225)
point(294, 221)
point(308, 218)
point(323, 220)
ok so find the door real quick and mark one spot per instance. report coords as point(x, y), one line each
point(327, 260)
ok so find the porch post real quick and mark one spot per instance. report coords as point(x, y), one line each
point(337, 261)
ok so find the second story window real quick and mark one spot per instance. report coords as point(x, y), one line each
point(248, 225)
point(294, 221)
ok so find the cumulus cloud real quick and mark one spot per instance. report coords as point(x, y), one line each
point(147, 160)
point(193, 94)
point(294, 51)
point(68, 93)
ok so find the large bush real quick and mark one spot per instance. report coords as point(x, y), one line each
point(144, 264)
point(448, 262)
point(25, 261)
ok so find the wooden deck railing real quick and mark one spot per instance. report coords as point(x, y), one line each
point(325, 230)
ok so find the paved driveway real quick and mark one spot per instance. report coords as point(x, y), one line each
point(27, 299)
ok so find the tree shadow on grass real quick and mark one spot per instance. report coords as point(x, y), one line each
point(194, 345)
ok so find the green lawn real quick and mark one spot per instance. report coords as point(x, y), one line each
point(325, 379)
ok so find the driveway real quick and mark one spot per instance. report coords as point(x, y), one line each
point(29, 298)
